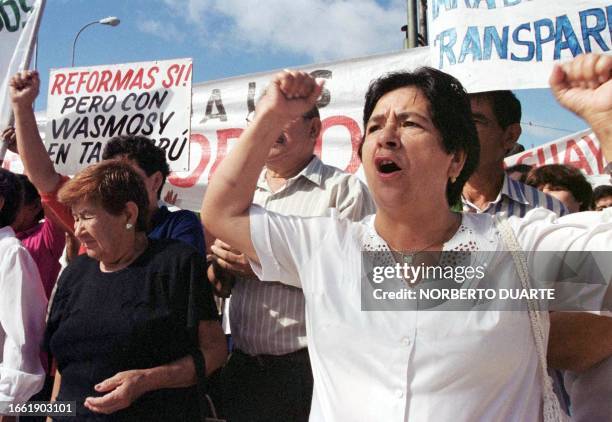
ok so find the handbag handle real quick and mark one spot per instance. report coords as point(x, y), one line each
point(551, 408)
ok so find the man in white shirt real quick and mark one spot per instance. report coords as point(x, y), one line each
point(23, 306)
point(268, 376)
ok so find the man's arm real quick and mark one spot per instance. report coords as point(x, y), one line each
point(225, 209)
point(578, 340)
point(125, 387)
point(584, 86)
point(37, 164)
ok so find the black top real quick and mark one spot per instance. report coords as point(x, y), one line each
point(142, 316)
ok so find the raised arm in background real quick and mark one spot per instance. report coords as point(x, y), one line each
point(584, 86)
point(38, 166)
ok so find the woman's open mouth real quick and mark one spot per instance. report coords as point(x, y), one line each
point(386, 166)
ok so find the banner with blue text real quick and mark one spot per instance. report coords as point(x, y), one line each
point(513, 44)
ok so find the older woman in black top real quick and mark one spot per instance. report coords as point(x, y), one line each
point(133, 318)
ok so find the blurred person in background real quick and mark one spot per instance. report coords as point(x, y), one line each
point(22, 305)
point(564, 182)
point(519, 172)
point(602, 197)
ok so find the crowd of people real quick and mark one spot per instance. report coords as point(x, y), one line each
point(131, 328)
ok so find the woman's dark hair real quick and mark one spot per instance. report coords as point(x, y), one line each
point(111, 185)
point(562, 177)
point(450, 111)
point(10, 191)
point(149, 157)
point(30, 194)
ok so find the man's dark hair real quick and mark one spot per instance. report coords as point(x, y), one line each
point(450, 111)
point(10, 190)
point(601, 191)
point(149, 157)
point(312, 113)
point(562, 177)
point(506, 107)
point(524, 169)
point(30, 194)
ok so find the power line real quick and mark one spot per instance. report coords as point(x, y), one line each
point(548, 127)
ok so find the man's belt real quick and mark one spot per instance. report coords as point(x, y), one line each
point(299, 356)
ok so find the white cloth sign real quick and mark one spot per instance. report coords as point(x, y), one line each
point(17, 34)
point(512, 44)
point(87, 106)
point(581, 150)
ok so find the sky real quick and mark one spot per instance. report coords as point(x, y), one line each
point(228, 38)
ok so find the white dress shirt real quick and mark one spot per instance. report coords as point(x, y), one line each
point(23, 305)
point(410, 365)
point(268, 318)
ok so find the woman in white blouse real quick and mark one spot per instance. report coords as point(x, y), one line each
point(22, 306)
point(419, 148)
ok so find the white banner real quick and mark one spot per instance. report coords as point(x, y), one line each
point(221, 107)
point(581, 150)
point(18, 19)
point(512, 44)
point(87, 106)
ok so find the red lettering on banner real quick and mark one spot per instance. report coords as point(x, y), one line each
point(554, 153)
point(524, 157)
point(70, 82)
point(151, 75)
point(599, 158)
point(541, 157)
point(223, 135)
point(355, 132)
point(192, 179)
point(60, 78)
point(582, 162)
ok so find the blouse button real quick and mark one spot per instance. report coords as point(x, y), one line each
point(399, 394)
point(406, 341)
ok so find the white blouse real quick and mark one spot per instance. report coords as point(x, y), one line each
point(23, 306)
point(394, 365)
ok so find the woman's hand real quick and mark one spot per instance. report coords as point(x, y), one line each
point(123, 389)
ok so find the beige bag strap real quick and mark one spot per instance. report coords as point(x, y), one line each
point(551, 408)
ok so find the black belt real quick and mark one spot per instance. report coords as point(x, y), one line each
point(299, 356)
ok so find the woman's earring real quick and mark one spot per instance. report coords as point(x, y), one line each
point(129, 226)
point(453, 179)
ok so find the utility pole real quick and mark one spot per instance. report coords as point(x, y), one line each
point(423, 23)
point(411, 39)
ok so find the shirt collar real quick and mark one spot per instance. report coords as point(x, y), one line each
point(512, 189)
point(6, 231)
point(158, 216)
point(313, 172)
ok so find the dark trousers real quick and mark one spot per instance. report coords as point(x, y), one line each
point(267, 388)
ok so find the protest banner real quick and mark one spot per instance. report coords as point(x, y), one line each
point(513, 44)
point(581, 150)
point(19, 23)
point(87, 106)
point(221, 107)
